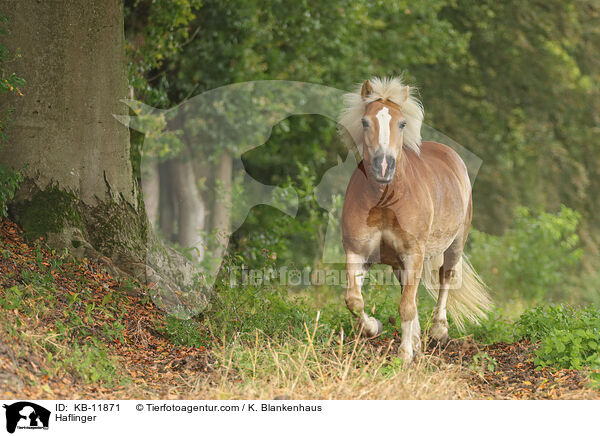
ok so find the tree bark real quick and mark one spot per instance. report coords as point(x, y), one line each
point(190, 207)
point(151, 191)
point(166, 213)
point(74, 65)
point(79, 188)
point(221, 220)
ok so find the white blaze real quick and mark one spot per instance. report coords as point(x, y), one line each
point(384, 118)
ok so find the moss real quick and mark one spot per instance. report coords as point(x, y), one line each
point(117, 230)
point(109, 228)
point(48, 211)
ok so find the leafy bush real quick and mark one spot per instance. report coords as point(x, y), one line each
point(574, 349)
point(9, 183)
point(538, 322)
point(537, 257)
point(569, 338)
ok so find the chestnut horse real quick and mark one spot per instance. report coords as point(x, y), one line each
point(408, 205)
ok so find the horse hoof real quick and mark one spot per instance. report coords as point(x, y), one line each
point(406, 356)
point(372, 327)
point(439, 332)
point(442, 342)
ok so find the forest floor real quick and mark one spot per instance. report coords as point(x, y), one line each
point(69, 330)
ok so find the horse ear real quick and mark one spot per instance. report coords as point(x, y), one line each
point(366, 90)
point(405, 93)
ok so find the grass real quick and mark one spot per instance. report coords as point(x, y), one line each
point(271, 343)
point(308, 367)
point(264, 342)
point(52, 317)
point(62, 334)
point(69, 329)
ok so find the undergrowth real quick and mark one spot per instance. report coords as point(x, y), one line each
point(267, 340)
point(69, 328)
point(564, 336)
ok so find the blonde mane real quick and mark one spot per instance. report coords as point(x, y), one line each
point(392, 89)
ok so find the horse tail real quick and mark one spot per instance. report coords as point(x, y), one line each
point(468, 296)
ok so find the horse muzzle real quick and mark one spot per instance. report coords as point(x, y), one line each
point(383, 167)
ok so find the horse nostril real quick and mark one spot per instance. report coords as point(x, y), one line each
point(391, 163)
point(384, 166)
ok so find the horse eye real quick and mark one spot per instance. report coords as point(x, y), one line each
point(365, 123)
point(402, 124)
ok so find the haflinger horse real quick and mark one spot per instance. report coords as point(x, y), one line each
point(407, 205)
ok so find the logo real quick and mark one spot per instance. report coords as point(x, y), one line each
point(26, 415)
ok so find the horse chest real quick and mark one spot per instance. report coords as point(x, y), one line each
point(388, 233)
point(391, 238)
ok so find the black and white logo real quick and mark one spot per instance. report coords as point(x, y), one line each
point(26, 415)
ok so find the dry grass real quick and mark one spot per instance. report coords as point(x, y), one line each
point(262, 368)
point(326, 376)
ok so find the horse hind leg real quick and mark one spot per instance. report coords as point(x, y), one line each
point(439, 328)
point(447, 277)
point(356, 271)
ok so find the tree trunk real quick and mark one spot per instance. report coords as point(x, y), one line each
point(190, 207)
point(166, 202)
point(79, 189)
point(151, 191)
point(74, 154)
point(221, 220)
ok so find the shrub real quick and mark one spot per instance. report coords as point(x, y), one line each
point(9, 183)
point(569, 338)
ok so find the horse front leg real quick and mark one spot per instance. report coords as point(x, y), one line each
point(356, 271)
point(411, 329)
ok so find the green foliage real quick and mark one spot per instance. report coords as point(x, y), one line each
point(536, 258)
point(483, 362)
point(495, 329)
point(10, 181)
point(298, 240)
point(564, 336)
point(156, 31)
point(569, 338)
point(521, 104)
point(159, 143)
point(570, 349)
point(538, 322)
point(394, 366)
point(89, 361)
